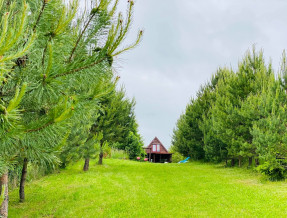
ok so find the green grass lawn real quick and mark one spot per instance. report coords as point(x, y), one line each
point(123, 188)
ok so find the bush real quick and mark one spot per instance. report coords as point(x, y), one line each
point(176, 157)
point(274, 172)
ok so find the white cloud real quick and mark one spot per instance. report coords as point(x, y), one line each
point(184, 43)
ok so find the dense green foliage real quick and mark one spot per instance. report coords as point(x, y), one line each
point(117, 124)
point(123, 188)
point(238, 116)
point(113, 124)
point(176, 156)
point(55, 64)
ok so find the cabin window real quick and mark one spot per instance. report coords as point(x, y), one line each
point(158, 148)
point(154, 148)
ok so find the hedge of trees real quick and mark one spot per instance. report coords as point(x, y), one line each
point(57, 85)
point(239, 117)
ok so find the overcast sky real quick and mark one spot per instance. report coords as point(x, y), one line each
point(185, 41)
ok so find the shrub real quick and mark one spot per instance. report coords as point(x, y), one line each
point(274, 172)
point(176, 157)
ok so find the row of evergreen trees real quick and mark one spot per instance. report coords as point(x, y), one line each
point(239, 117)
point(58, 97)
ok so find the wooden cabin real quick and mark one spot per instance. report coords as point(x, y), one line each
point(157, 153)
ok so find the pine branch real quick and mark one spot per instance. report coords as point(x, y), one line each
point(132, 46)
point(80, 37)
point(40, 128)
point(45, 50)
point(79, 69)
point(40, 14)
point(44, 54)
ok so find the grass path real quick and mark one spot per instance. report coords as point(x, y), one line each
point(131, 189)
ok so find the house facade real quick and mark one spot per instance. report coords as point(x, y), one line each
point(157, 153)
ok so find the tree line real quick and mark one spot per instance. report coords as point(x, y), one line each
point(59, 100)
point(239, 117)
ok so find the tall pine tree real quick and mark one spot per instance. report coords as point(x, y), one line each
point(61, 70)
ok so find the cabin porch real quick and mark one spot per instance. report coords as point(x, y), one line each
point(159, 158)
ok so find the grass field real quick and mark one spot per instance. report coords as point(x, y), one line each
point(131, 189)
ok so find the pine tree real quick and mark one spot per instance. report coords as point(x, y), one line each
point(133, 145)
point(232, 124)
point(188, 137)
point(269, 130)
point(66, 59)
point(13, 33)
point(130, 140)
point(83, 141)
point(110, 123)
point(115, 121)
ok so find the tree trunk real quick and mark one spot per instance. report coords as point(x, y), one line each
point(101, 155)
point(256, 161)
point(14, 182)
point(239, 162)
point(101, 158)
point(250, 161)
point(4, 206)
point(23, 180)
point(0, 186)
point(232, 162)
point(87, 164)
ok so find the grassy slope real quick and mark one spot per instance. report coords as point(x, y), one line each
point(131, 189)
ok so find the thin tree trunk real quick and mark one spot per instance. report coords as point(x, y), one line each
point(4, 206)
point(256, 161)
point(23, 180)
point(239, 162)
point(232, 162)
point(250, 161)
point(101, 155)
point(101, 158)
point(0, 186)
point(15, 181)
point(87, 164)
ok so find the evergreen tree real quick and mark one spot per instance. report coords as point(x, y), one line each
point(269, 130)
point(83, 140)
point(232, 127)
point(133, 145)
point(221, 122)
point(115, 121)
point(188, 137)
point(131, 141)
point(13, 31)
point(111, 123)
point(66, 60)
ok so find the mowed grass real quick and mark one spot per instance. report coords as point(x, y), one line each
point(122, 188)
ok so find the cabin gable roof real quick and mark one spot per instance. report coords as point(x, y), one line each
point(156, 141)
